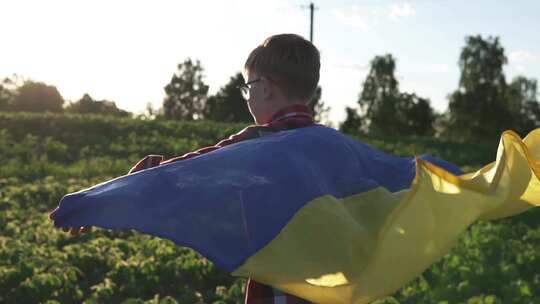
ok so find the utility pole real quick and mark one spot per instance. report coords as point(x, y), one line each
point(311, 9)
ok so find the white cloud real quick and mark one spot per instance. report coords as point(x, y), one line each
point(401, 10)
point(367, 17)
point(521, 56)
point(522, 61)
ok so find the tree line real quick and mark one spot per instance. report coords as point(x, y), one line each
point(186, 98)
point(25, 95)
point(483, 105)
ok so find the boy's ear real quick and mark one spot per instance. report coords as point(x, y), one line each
point(267, 89)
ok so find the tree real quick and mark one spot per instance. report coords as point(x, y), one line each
point(478, 108)
point(352, 123)
point(522, 96)
point(228, 105)
point(380, 87)
point(151, 112)
point(416, 115)
point(186, 93)
point(87, 105)
point(379, 90)
point(37, 97)
point(384, 110)
point(6, 94)
point(318, 108)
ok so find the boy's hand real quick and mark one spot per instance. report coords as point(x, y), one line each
point(72, 230)
point(147, 162)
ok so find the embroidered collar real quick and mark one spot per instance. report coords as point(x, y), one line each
point(290, 111)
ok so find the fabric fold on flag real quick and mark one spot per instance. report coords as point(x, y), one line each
point(277, 210)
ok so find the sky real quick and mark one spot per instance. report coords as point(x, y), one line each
point(127, 51)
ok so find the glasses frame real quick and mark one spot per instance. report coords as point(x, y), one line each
point(244, 88)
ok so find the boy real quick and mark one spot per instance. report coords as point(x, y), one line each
point(281, 76)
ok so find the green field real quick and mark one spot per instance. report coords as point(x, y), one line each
point(44, 156)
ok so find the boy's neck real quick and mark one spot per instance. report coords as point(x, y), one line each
point(291, 110)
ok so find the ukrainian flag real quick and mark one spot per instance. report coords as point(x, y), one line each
point(313, 212)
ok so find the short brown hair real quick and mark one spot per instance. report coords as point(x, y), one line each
point(289, 60)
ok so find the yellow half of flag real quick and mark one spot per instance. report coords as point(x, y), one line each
point(363, 247)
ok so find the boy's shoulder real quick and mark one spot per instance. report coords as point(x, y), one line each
point(249, 132)
point(256, 131)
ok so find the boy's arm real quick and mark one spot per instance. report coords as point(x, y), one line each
point(150, 161)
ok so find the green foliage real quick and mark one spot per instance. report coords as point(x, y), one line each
point(352, 123)
point(37, 97)
point(494, 262)
point(415, 115)
point(467, 156)
point(479, 107)
point(36, 145)
point(87, 105)
point(522, 96)
point(6, 94)
point(379, 94)
point(318, 108)
point(45, 156)
point(384, 110)
point(186, 93)
point(228, 105)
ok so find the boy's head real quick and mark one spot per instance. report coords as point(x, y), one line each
point(284, 70)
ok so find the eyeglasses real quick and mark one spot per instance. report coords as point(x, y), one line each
point(244, 88)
